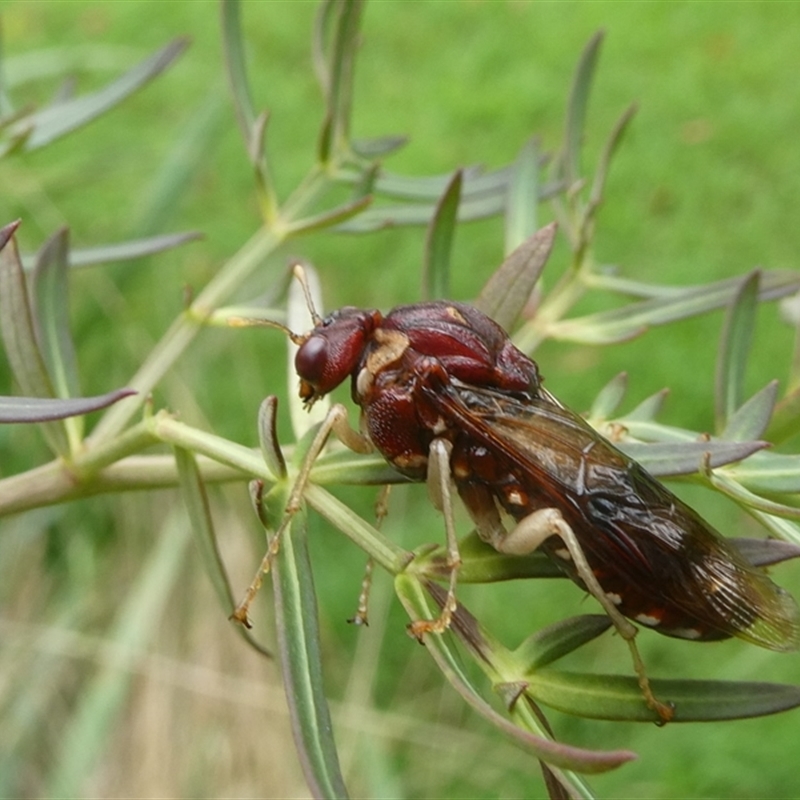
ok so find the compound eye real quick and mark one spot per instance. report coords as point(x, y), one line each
point(311, 360)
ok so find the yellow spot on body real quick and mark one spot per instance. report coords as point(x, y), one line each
point(516, 497)
point(460, 471)
point(411, 462)
point(687, 633)
point(392, 346)
point(453, 312)
point(364, 382)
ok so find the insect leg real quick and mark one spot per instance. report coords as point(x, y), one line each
point(540, 525)
point(336, 422)
point(439, 487)
point(381, 510)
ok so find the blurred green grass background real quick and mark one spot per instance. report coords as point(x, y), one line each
point(703, 187)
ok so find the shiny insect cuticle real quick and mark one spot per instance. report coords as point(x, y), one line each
point(444, 370)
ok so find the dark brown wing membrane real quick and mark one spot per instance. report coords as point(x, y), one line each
point(670, 569)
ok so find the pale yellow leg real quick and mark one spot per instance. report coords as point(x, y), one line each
point(334, 422)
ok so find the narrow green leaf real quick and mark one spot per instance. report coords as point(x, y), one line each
point(737, 336)
point(650, 431)
point(235, 66)
point(523, 197)
point(195, 498)
point(603, 166)
point(785, 421)
point(790, 313)
point(685, 458)
point(366, 186)
point(340, 23)
point(617, 697)
point(19, 339)
point(49, 296)
point(439, 242)
point(411, 593)
point(766, 552)
point(7, 231)
point(380, 217)
point(606, 277)
point(555, 789)
point(15, 144)
point(17, 327)
point(257, 152)
point(12, 114)
point(41, 409)
point(299, 641)
point(388, 216)
point(633, 319)
point(324, 34)
point(326, 139)
point(345, 467)
point(649, 408)
point(610, 397)
point(509, 288)
point(564, 756)
point(379, 147)
point(62, 118)
point(481, 563)
point(126, 251)
point(559, 639)
point(251, 125)
point(319, 42)
point(777, 526)
point(429, 188)
point(327, 219)
point(577, 107)
point(773, 473)
point(268, 437)
point(750, 420)
point(750, 500)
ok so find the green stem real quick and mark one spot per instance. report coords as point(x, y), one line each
point(250, 462)
point(54, 483)
point(389, 555)
point(91, 461)
point(184, 329)
point(558, 302)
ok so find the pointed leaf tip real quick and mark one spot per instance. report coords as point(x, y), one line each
point(439, 240)
point(507, 291)
point(42, 409)
point(7, 231)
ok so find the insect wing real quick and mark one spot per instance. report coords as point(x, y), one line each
point(634, 531)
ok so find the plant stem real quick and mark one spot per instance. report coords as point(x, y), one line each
point(250, 462)
point(562, 297)
point(184, 329)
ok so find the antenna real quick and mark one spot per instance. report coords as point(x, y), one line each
point(299, 273)
point(255, 322)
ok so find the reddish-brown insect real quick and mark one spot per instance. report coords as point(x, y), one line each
point(445, 371)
